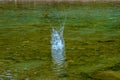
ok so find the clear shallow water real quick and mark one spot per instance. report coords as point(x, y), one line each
point(91, 37)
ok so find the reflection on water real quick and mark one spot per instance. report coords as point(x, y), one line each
point(58, 50)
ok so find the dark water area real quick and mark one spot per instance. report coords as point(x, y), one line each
point(91, 35)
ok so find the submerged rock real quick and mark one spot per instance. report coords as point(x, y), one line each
point(100, 41)
point(27, 78)
point(63, 75)
point(1, 78)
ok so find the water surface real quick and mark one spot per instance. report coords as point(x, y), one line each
point(91, 38)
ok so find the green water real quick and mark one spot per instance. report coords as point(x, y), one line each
point(91, 36)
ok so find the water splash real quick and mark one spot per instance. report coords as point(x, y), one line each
point(58, 49)
point(58, 46)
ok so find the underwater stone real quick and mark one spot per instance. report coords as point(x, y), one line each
point(63, 75)
point(1, 78)
point(27, 78)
